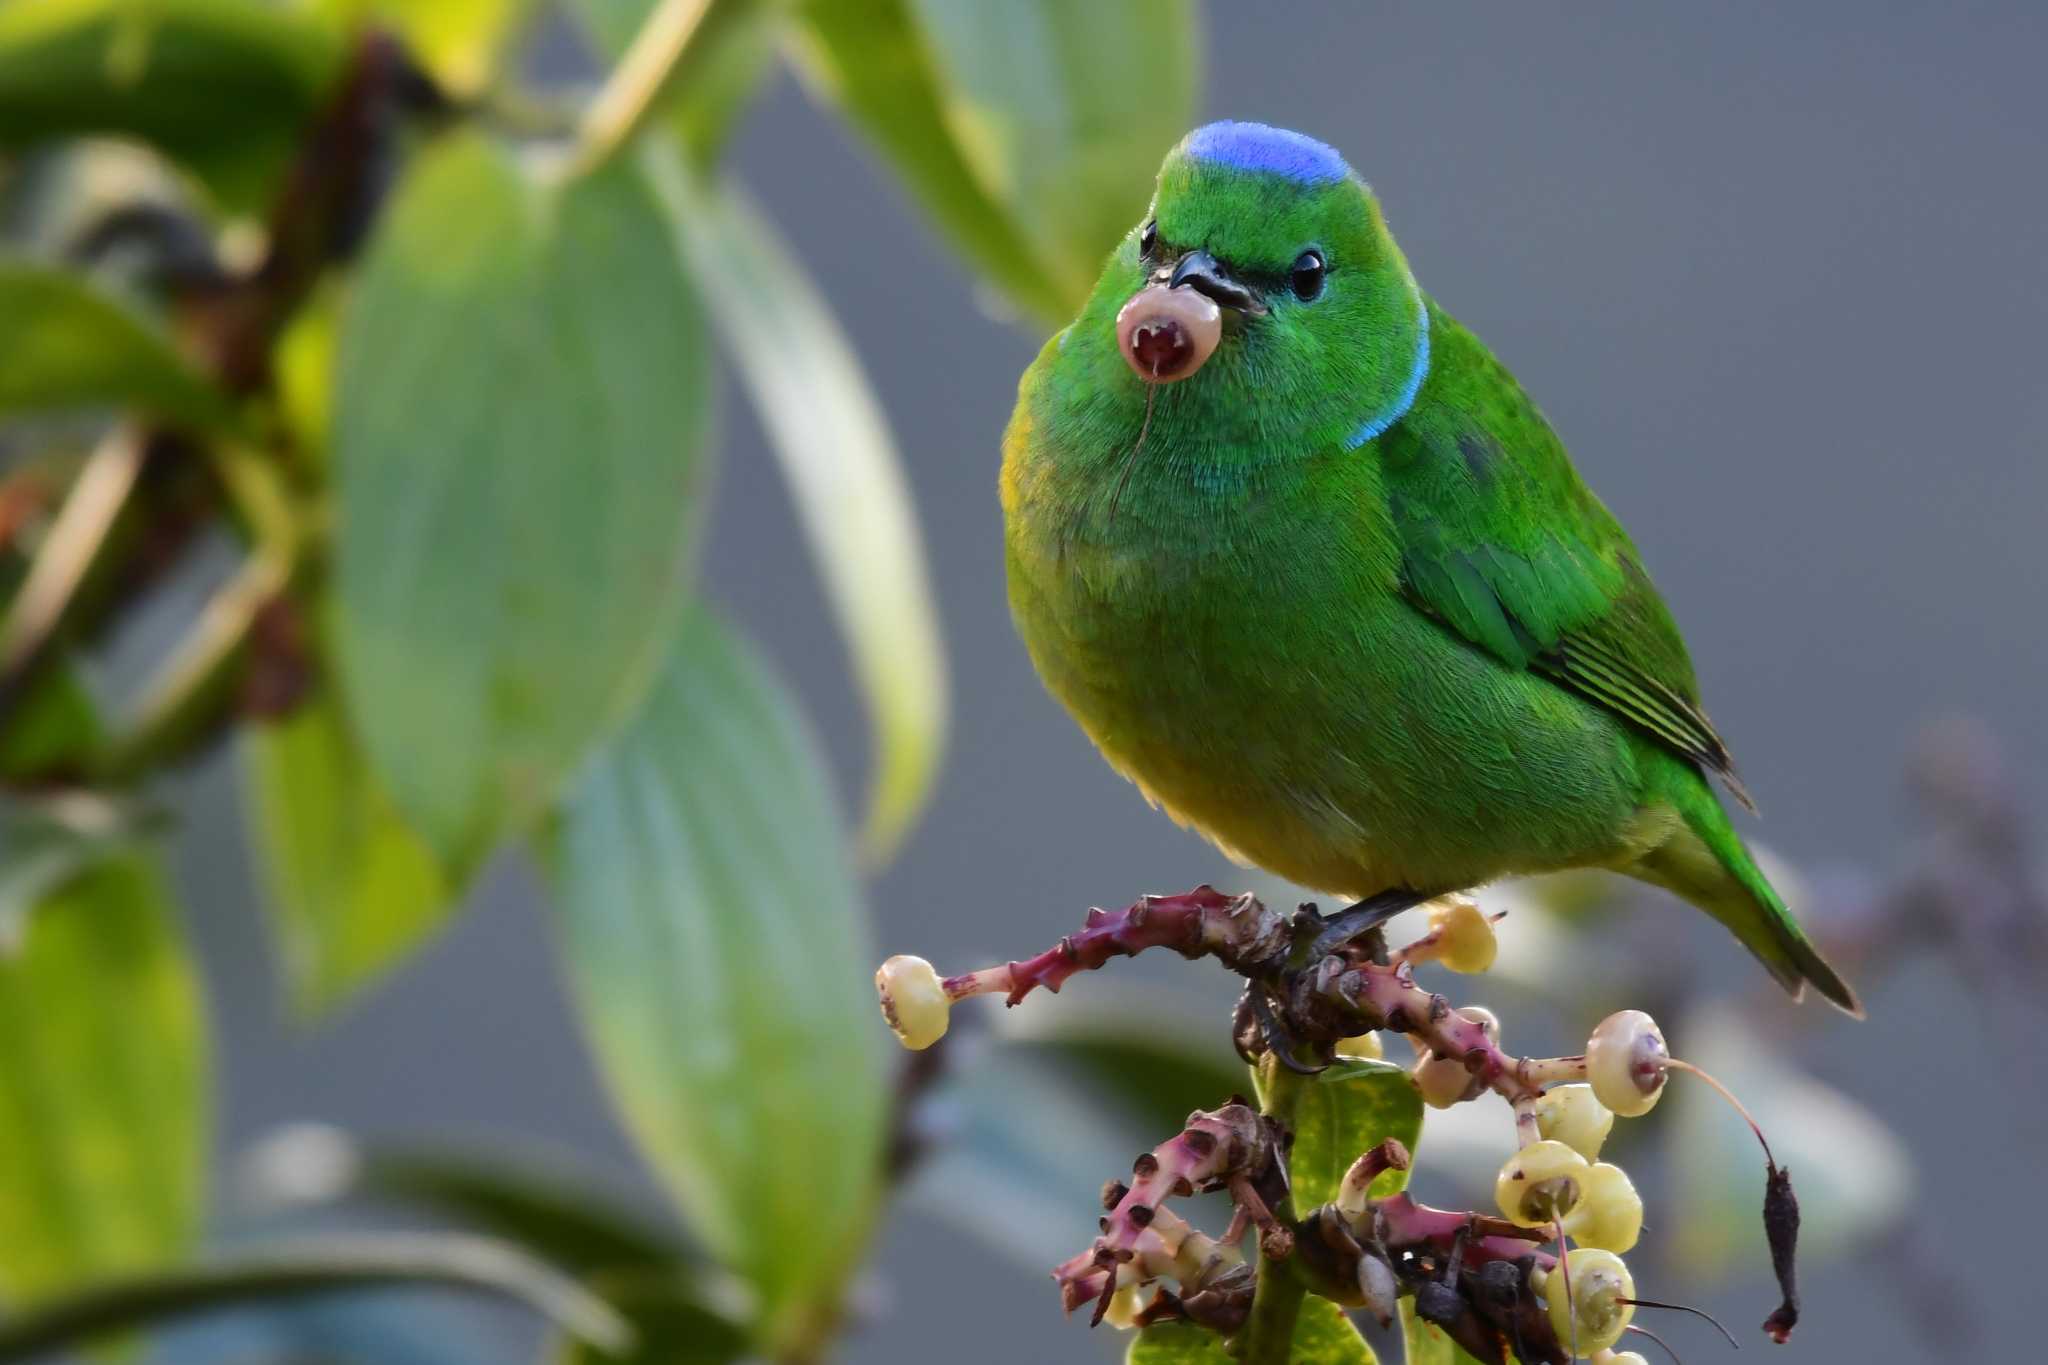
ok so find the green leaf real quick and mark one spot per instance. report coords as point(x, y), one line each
point(353, 891)
point(1031, 132)
point(1064, 109)
point(70, 345)
point(871, 58)
point(54, 727)
point(673, 1324)
point(460, 42)
point(44, 843)
point(1426, 1343)
point(103, 1086)
point(1344, 1112)
point(1322, 1336)
point(840, 459)
point(222, 85)
point(322, 1266)
point(519, 424)
point(716, 945)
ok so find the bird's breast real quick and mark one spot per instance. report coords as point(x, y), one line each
point(1201, 636)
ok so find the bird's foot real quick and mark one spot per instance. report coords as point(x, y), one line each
point(1350, 925)
point(1257, 1028)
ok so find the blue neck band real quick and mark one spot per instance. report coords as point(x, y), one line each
point(1377, 425)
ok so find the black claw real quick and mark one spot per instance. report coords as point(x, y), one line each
point(1279, 1041)
point(1243, 1023)
point(1354, 923)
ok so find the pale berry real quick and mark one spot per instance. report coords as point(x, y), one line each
point(1443, 1081)
point(1592, 1315)
point(1625, 1062)
point(1465, 938)
point(1573, 1115)
point(1609, 1214)
point(1539, 1184)
point(913, 1001)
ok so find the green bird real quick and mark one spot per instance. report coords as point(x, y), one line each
point(1310, 568)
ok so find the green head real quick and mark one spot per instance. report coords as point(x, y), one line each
point(1261, 300)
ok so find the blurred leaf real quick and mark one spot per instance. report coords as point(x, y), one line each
point(353, 892)
point(1021, 1154)
point(1031, 132)
point(1064, 109)
point(555, 1209)
point(842, 465)
point(461, 43)
point(103, 1086)
point(70, 345)
point(373, 1326)
point(1322, 1336)
point(871, 58)
point(53, 726)
point(717, 947)
point(1426, 1343)
point(672, 1325)
point(223, 85)
point(314, 1266)
point(1344, 1112)
point(302, 363)
point(723, 68)
point(46, 842)
point(1852, 1173)
point(519, 422)
point(1152, 1053)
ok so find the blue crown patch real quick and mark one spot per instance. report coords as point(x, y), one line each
point(1275, 151)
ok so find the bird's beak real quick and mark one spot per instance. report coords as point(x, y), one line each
point(1201, 272)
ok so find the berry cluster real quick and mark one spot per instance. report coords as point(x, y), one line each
point(1541, 1280)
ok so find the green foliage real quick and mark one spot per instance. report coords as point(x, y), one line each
point(1322, 1336)
point(352, 889)
point(57, 725)
point(68, 344)
point(508, 570)
point(719, 73)
point(103, 1085)
point(461, 42)
point(286, 1272)
point(707, 920)
point(842, 465)
point(672, 1325)
point(48, 843)
point(1350, 1108)
point(1029, 132)
point(224, 86)
point(466, 451)
point(1064, 109)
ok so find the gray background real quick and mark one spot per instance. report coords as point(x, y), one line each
point(1776, 273)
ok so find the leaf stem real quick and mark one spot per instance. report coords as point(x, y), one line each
point(1276, 1303)
point(633, 92)
point(75, 538)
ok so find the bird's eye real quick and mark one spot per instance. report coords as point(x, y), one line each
point(1305, 276)
point(1148, 238)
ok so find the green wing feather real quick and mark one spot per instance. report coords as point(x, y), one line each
point(1502, 543)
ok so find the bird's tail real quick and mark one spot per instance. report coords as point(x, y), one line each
point(1705, 862)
